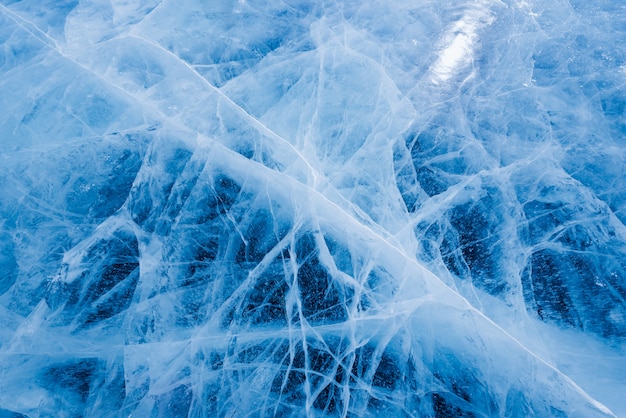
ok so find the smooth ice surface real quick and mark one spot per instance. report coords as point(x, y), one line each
point(348, 208)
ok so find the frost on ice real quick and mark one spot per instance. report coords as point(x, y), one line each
point(312, 209)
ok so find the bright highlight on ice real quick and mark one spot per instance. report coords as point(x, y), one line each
point(458, 51)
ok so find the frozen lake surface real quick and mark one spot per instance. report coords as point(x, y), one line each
point(312, 208)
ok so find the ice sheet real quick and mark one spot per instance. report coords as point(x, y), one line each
point(312, 209)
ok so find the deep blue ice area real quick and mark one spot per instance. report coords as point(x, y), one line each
point(312, 208)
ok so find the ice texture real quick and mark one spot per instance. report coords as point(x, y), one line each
point(310, 208)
